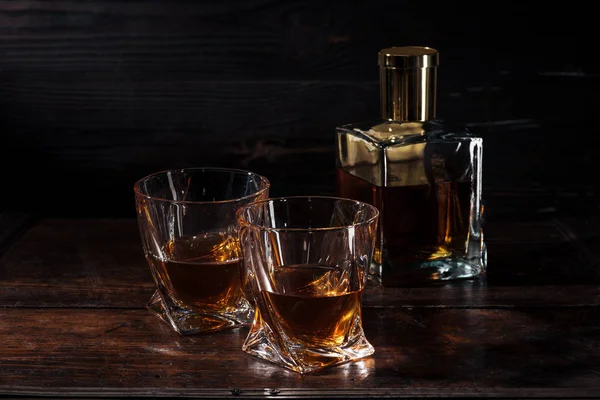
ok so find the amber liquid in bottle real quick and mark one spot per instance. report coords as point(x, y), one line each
point(423, 175)
point(314, 305)
point(417, 223)
point(202, 271)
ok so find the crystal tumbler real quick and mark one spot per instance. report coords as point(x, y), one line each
point(306, 262)
point(187, 222)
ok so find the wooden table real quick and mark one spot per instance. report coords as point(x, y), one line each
point(73, 322)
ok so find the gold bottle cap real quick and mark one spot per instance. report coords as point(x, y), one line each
point(407, 77)
point(408, 57)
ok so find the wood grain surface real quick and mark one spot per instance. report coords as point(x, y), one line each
point(73, 323)
point(424, 351)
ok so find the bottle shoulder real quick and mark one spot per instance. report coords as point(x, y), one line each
point(392, 133)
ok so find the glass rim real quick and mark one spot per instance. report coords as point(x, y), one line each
point(242, 221)
point(265, 185)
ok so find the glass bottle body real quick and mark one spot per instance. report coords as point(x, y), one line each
point(425, 179)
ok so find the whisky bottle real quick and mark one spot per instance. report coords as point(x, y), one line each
point(423, 175)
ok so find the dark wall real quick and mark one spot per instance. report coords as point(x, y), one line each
point(95, 94)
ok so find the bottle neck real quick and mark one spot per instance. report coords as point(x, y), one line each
point(408, 94)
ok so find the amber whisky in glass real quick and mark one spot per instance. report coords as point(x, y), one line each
point(422, 174)
point(189, 234)
point(306, 260)
point(201, 271)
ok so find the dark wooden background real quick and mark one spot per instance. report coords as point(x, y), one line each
point(95, 94)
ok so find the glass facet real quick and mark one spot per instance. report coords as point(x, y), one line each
point(425, 178)
point(305, 265)
point(188, 227)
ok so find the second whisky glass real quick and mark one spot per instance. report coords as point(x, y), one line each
point(306, 261)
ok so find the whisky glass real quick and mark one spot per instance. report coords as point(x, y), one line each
point(189, 232)
point(306, 261)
